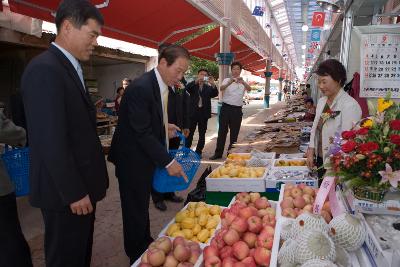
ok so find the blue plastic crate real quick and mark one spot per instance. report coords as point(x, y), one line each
point(16, 161)
point(190, 161)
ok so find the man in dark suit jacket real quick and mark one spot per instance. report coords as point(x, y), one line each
point(139, 144)
point(201, 91)
point(68, 173)
point(178, 114)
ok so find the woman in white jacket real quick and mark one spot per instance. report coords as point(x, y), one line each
point(336, 111)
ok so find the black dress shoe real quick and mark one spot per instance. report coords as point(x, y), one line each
point(174, 198)
point(160, 205)
point(215, 157)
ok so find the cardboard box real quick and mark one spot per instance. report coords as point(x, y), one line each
point(236, 184)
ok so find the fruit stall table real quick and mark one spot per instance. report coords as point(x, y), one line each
point(224, 198)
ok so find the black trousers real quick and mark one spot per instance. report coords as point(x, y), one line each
point(198, 119)
point(135, 198)
point(14, 250)
point(157, 196)
point(68, 238)
point(230, 118)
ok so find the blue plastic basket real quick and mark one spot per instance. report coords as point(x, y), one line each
point(190, 162)
point(16, 161)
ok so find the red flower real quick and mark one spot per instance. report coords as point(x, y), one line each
point(368, 147)
point(395, 125)
point(348, 134)
point(349, 146)
point(395, 139)
point(363, 131)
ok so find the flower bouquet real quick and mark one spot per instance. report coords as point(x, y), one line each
point(367, 158)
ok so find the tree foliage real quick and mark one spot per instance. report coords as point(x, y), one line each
point(197, 63)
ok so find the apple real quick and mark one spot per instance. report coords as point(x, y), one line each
point(229, 217)
point(250, 239)
point(144, 258)
point(228, 262)
point(240, 250)
point(296, 192)
point(254, 211)
point(179, 240)
point(243, 197)
point(289, 186)
point(251, 205)
point(170, 261)
point(287, 203)
point(289, 212)
point(231, 237)
point(301, 186)
point(155, 256)
point(268, 230)
point(213, 261)
point(185, 264)
point(226, 252)
point(194, 256)
point(326, 215)
point(245, 213)
point(181, 253)
point(262, 203)
point(210, 251)
point(262, 212)
point(249, 262)
point(271, 211)
point(308, 208)
point(308, 198)
point(262, 256)
point(239, 264)
point(287, 193)
point(269, 220)
point(299, 202)
point(254, 196)
point(239, 224)
point(165, 244)
point(265, 241)
point(251, 252)
point(194, 246)
point(308, 190)
point(254, 224)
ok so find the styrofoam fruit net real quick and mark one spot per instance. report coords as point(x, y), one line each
point(347, 231)
point(286, 252)
point(318, 263)
point(313, 244)
point(262, 155)
point(308, 221)
point(286, 229)
point(342, 257)
point(257, 162)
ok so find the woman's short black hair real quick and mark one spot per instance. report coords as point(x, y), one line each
point(171, 52)
point(78, 12)
point(236, 63)
point(309, 100)
point(200, 70)
point(333, 68)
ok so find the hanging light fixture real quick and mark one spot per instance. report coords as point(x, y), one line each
point(304, 28)
point(333, 6)
point(303, 47)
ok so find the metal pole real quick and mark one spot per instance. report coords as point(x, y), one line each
point(268, 68)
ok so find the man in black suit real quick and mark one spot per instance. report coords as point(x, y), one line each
point(139, 144)
point(201, 91)
point(68, 173)
point(178, 114)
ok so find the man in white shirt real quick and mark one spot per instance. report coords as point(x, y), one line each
point(230, 116)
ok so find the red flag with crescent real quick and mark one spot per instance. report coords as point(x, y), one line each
point(318, 19)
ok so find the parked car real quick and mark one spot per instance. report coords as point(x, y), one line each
point(256, 94)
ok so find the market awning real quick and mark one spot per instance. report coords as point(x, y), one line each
point(207, 45)
point(147, 23)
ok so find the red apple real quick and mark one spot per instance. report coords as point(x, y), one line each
point(287, 203)
point(296, 192)
point(262, 256)
point(231, 237)
point(243, 197)
point(239, 224)
point(165, 244)
point(144, 258)
point(194, 256)
point(239, 264)
point(210, 251)
point(262, 203)
point(245, 213)
point(229, 217)
point(289, 212)
point(268, 230)
point(308, 199)
point(170, 261)
point(308, 208)
point(269, 220)
point(240, 250)
point(289, 186)
point(181, 253)
point(155, 256)
point(301, 186)
point(226, 252)
point(299, 202)
point(265, 241)
point(194, 246)
point(251, 252)
point(271, 211)
point(228, 262)
point(250, 238)
point(308, 190)
point(213, 261)
point(179, 240)
point(255, 224)
point(254, 211)
point(254, 197)
point(287, 193)
point(249, 262)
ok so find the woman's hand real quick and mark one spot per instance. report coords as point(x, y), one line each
point(310, 157)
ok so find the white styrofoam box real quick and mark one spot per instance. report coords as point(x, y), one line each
point(163, 232)
point(266, 155)
point(273, 185)
point(197, 264)
point(236, 184)
point(390, 206)
point(289, 167)
point(291, 156)
point(275, 247)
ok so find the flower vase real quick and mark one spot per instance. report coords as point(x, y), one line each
point(370, 193)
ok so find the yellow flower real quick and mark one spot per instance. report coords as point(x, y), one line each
point(383, 104)
point(367, 124)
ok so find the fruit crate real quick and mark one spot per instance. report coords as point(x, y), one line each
point(197, 264)
point(275, 164)
point(165, 229)
point(236, 184)
point(273, 184)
